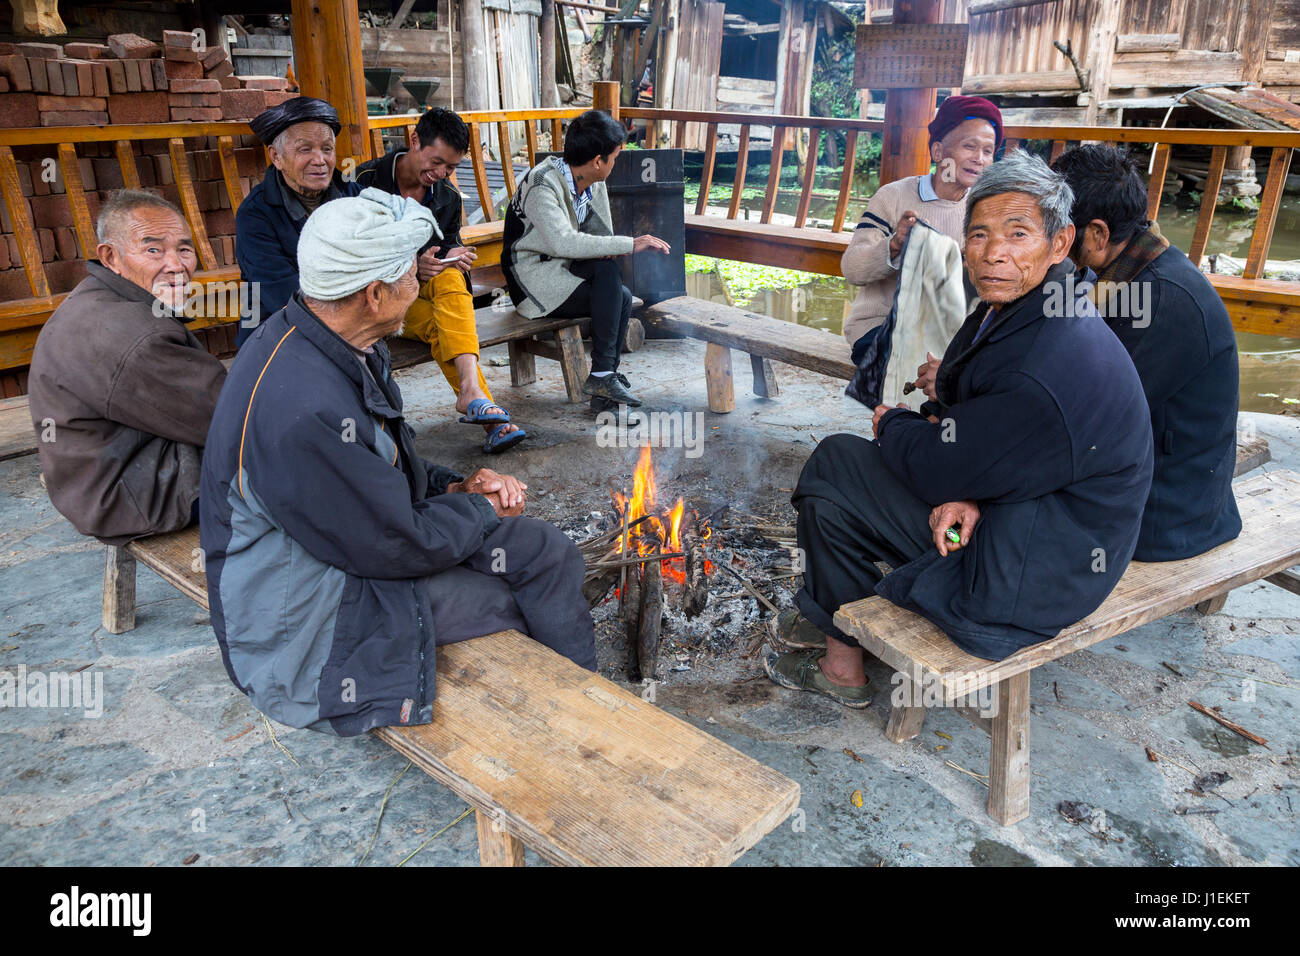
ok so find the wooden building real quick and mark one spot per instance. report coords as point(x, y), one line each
point(1074, 61)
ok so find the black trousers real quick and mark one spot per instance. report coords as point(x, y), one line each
point(852, 511)
point(526, 575)
point(602, 296)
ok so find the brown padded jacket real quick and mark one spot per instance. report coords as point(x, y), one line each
point(121, 400)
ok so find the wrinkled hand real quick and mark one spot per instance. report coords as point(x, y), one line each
point(642, 243)
point(901, 231)
point(504, 492)
point(966, 514)
point(925, 375)
point(429, 265)
point(467, 257)
point(879, 414)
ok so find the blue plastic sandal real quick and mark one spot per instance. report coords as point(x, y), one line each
point(474, 414)
point(499, 440)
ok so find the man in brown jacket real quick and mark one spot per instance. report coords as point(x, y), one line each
point(121, 392)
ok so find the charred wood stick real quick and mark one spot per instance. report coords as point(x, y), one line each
point(695, 596)
point(1235, 728)
point(651, 619)
point(595, 587)
point(748, 587)
point(635, 559)
point(594, 544)
point(622, 550)
point(631, 614)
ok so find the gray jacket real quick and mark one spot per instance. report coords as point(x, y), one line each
point(543, 237)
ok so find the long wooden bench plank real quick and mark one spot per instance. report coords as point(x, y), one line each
point(756, 334)
point(576, 767)
point(1269, 543)
point(583, 771)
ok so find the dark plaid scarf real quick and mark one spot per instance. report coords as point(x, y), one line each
point(1147, 243)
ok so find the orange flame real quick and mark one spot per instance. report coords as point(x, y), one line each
point(665, 525)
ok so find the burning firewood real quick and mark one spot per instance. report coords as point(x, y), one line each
point(651, 615)
point(695, 589)
point(630, 609)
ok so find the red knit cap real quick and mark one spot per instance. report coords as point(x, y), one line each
point(957, 109)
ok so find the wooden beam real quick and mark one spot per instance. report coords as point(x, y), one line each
point(846, 180)
point(774, 172)
point(706, 177)
point(742, 166)
point(327, 53)
point(1043, 81)
point(126, 163)
point(473, 45)
point(979, 8)
point(480, 174)
point(230, 171)
point(21, 218)
point(1156, 184)
point(76, 193)
point(1209, 200)
point(550, 94)
point(906, 147)
point(809, 171)
point(190, 204)
point(1270, 201)
point(507, 165)
point(1148, 42)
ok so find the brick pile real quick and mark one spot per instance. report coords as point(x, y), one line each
point(128, 80)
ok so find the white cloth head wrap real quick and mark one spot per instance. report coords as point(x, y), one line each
point(351, 242)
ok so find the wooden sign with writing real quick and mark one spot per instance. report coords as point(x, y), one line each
point(909, 55)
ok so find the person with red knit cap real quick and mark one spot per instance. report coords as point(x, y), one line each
point(964, 134)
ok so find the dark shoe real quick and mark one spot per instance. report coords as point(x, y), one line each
point(612, 388)
point(792, 629)
point(799, 670)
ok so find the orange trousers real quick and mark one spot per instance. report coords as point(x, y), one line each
point(443, 316)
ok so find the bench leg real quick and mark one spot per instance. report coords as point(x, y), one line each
point(764, 377)
point(717, 378)
point(497, 847)
point(1009, 752)
point(635, 337)
point(523, 365)
point(573, 361)
point(905, 721)
point(1214, 605)
point(119, 591)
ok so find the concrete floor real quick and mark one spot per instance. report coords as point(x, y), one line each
point(180, 764)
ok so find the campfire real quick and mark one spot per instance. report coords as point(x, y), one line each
point(654, 554)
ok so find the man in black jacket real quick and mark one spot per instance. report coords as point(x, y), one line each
point(443, 313)
point(1178, 333)
point(1037, 447)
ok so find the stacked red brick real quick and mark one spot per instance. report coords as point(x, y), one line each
point(129, 80)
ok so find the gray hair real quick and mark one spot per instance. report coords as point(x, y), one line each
point(1019, 172)
point(120, 205)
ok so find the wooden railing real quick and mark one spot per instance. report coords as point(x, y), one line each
point(1256, 304)
point(476, 121)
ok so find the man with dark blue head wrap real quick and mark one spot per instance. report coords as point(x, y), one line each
point(299, 136)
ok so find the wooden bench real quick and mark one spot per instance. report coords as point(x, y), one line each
point(551, 756)
point(725, 327)
point(933, 667)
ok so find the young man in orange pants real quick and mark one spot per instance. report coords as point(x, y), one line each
point(443, 314)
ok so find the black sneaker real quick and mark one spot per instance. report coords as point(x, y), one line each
point(613, 388)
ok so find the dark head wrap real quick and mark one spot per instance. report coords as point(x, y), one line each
point(269, 124)
point(957, 109)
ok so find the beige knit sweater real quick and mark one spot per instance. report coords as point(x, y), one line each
point(866, 262)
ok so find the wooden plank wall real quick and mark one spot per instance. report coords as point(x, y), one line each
point(699, 53)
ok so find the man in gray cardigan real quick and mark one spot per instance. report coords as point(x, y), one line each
point(559, 248)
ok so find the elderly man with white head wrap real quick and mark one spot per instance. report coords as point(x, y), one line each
point(337, 559)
